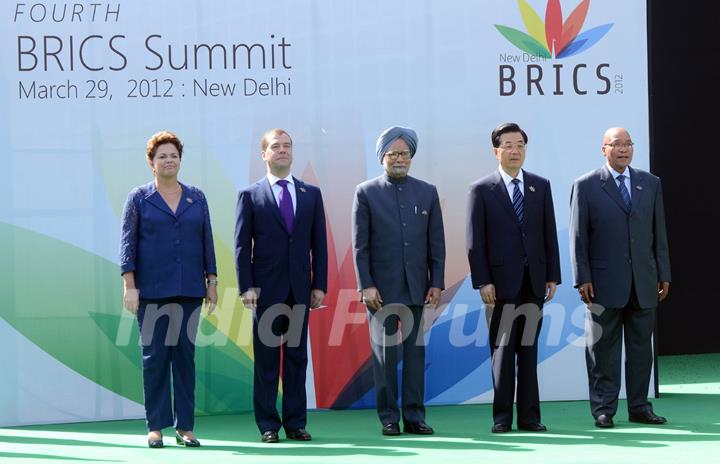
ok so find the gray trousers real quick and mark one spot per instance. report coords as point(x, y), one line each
point(395, 335)
point(604, 357)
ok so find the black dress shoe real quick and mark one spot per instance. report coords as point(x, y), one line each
point(604, 421)
point(418, 428)
point(188, 442)
point(299, 434)
point(533, 427)
point(391, 429)
point(500, 428)
point(270, 436)
point(647, 417)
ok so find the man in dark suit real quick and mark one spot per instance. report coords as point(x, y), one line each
point(281, 259)
point(399, 250)
point(513, 253)
point(621, 266)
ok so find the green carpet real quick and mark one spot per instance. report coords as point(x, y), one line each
point(690, 398)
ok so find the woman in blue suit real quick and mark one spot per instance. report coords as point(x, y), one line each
point(167, 260)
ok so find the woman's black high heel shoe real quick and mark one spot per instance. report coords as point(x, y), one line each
point(156, 443)
point(188, 442)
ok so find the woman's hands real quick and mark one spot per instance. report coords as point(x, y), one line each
point(131, 295)
point(211, 297)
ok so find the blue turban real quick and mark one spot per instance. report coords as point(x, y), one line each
point(393, 133)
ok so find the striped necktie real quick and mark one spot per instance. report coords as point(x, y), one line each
point(518, 201)
point(624, 192)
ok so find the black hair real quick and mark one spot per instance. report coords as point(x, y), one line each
point(504, 129)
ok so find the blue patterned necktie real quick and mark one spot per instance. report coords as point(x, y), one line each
point(518, 201)
point(286, 206)
point(624, 192)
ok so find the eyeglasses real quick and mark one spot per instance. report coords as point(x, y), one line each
point(393, 155)
point(510, 146)
point(620, 145)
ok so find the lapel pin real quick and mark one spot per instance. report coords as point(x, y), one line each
point(188, 199)
point(531, 188)
point(639, 187)
point(302, 189)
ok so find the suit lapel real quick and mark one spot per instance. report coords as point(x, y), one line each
point(637, 188)
point(270, 201)
point(153, 197)
point(530, 195)
point(302, 202)
point(186, 201)
point(502, 196)
point(611, 188)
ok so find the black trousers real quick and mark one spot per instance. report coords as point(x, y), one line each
point(514, 328)
point(603, 356)
point(395, 335)
point(275, 337)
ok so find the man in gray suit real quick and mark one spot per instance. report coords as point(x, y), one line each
point(621, 268)
point(399, 251)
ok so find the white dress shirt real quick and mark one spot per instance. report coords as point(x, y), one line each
point(510, 186)
point(626, 181)
point(276, 189)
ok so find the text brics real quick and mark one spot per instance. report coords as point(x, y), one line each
point(99, 53)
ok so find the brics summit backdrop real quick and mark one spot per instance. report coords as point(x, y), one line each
point(83, 85)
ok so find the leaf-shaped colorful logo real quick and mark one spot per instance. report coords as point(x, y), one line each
point(554, 38)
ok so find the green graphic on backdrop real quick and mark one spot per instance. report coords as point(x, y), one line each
point(77, 319)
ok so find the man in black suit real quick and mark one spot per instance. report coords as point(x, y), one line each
point(621, 265)
point(513, 253)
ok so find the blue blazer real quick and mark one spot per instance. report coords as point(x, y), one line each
point(615, 248)
point(268, 257)
point(498, 243)
point(170, 254)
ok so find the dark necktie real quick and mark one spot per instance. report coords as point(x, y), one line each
point(623, 191)
point(518, 201)
point(286, 205)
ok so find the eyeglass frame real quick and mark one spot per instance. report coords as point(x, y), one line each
point(619, 145)
point(398, 154)
point(516, 146)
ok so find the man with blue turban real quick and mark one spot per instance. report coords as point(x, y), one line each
point(399, 252)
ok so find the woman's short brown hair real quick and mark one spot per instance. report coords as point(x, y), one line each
point(160, 138)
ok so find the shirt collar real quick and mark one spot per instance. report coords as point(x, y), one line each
point(507, 178)
point(396, 180)
point(273, 179)
point(615, 174)
point(152, 188)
